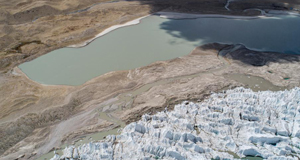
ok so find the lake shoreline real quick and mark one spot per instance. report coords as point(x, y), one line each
point(68, 61)
point(176, 15)
point(92, 93)
point(208, 77)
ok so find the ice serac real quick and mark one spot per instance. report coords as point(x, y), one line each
point(228, 125)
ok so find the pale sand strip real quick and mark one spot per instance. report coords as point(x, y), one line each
point(112, 28)
point(175, 15)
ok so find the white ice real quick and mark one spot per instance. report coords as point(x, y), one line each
point(228, 125)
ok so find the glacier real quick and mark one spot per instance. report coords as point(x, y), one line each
point(232, 124)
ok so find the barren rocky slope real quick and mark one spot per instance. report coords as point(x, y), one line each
point(30, 28)
point(34, 118)
point(34, 126)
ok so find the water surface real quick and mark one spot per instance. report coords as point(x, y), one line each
point(158, 39)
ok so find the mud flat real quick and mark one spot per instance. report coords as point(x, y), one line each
point(255, 83)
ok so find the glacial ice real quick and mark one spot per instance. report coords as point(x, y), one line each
point(228, 125)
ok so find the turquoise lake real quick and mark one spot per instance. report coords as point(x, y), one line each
point(156, 39)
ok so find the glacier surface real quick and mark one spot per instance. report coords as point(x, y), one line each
point(229, 125)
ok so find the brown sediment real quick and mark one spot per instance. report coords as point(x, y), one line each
point(18, 47)
point(73, 111)
point(35, 118)
point(58, 24)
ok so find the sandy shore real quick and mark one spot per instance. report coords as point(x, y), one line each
point(22, 40)
point(168, 15)
point(175, 15)
point(110, 29)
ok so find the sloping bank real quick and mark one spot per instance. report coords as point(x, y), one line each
point(232, 124)
point(28, 142)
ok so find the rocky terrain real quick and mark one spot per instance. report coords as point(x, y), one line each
point(29, 29)
point(35, 118)
point(38, 118)
point(229, 125)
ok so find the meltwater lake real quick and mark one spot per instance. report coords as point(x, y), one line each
point(156, 39)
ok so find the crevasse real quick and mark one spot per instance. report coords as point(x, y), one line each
point(228, 125)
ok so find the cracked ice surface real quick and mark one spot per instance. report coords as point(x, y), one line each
point(236, 122)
